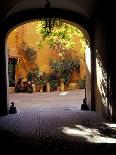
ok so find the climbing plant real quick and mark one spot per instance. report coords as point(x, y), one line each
point(61, 37)
point(29, 52)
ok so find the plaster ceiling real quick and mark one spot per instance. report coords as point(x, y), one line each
point(83, 7)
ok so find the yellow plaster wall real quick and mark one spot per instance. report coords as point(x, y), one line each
point(27, 33)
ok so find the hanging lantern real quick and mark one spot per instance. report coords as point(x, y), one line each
point(49, 22)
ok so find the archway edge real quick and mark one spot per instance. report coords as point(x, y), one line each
point(37, 14)
point(13, 21)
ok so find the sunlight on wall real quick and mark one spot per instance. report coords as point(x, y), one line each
point(111, 125)
point(90, 134)
point(88, 75)
point(88, 58)
point(101, 80)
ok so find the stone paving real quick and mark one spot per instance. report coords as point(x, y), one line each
point(52, 123)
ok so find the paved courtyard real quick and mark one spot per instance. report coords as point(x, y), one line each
point(53, 123)
point(48, 100)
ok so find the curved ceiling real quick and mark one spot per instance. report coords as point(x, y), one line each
point(82, 7)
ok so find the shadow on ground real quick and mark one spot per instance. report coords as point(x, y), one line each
point(52, 123)
point(13, 145)
point(69, 135)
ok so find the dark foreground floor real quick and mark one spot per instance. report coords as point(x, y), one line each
point(53, 145)
point(55, 125)
point(56, 132)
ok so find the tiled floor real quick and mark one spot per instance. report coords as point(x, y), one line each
point(52, 123)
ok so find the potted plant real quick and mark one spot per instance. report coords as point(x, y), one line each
point(34, 76)
point(53, 85)
point(81, 83)
point(53, 80)
point(64, 67)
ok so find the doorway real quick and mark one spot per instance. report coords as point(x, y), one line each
point(27, 69)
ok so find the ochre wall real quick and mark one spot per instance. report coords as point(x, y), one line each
point(28, 33)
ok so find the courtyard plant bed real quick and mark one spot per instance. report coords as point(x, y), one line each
point(81, 83)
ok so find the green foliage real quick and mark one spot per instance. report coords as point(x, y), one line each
point(11, 83)
point(64, 67)
point(53, 84)
point(81, 83)
point(41, 80)
point(53, 79)
point(44, 33)
point(37, 77)
point(11, 74)
point(34, 75)
point(61, 37)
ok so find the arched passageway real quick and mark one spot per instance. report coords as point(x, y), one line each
point(33, 15)
point(99, 44)
point(79, 54)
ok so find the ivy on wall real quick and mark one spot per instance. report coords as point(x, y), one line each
point(61, 38)
point(29, 52)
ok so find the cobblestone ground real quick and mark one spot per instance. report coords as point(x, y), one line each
point(52, 123)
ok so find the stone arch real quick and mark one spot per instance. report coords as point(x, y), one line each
point(13, 21)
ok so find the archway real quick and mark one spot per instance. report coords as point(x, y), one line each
point(79, 55)
point(32, 14)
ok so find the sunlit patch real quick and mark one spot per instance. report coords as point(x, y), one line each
point(64, 93)
point(90, 134)
point(102, 81)
point(76, 131)
point(111, 125)
point(88, 58)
